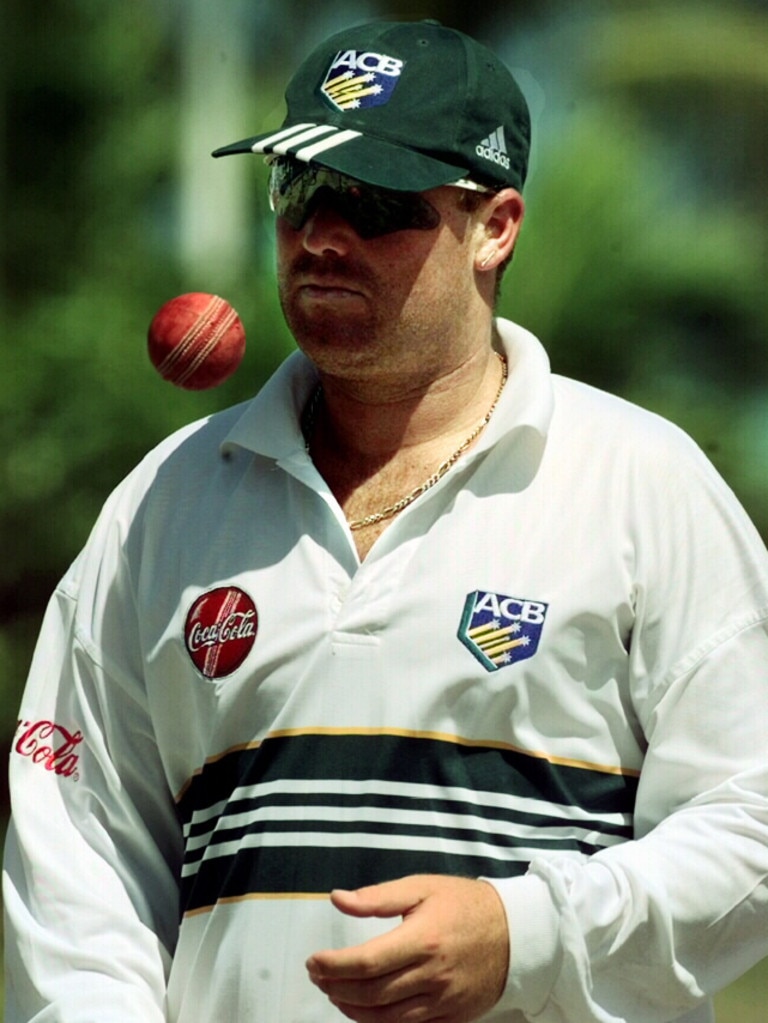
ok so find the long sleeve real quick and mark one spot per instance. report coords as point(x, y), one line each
point(647, 930)
point(644, 931)
point(91, 855)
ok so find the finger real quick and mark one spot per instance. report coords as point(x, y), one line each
point(410, 1010)
point(378, 957)
point(375, 991)
point(391, 898)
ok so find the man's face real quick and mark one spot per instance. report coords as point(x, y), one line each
point(386, 304)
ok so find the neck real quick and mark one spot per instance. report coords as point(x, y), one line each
point(379, 452)
point(373, 422)
point(375, 471)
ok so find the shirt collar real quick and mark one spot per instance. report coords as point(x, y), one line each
point(271, 423)
point(527, 400)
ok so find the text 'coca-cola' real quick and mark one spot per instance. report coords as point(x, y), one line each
point(49, 745)
point(220, 631)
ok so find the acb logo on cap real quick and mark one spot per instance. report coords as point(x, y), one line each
point(358, 80)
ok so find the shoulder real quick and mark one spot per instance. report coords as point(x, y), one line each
point(652, 474)
point(196, 439)
point(640, 466)
point(574, 397)
point(175, 468)
point(615, 428)
point(184, 456)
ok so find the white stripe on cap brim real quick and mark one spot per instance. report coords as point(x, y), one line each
point(308, 152)
point(289, 140)
point(298, 134)
point(270, 140)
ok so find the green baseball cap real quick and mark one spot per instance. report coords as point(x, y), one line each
point(403, 105)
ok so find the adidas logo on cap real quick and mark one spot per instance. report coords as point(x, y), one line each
point(494, 148)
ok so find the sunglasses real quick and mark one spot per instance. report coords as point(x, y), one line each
point(296, 189)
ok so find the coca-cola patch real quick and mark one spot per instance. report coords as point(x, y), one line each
point(220, 631)
point(50, 745)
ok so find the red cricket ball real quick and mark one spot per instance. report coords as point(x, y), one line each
point(196, 341)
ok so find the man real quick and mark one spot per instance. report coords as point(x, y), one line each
point(478, 650)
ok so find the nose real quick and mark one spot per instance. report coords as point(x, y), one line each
point(326, 230)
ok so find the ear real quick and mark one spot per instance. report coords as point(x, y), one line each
point(501, 218)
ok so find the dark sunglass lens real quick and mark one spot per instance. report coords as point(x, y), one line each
point(295, 189)
point(377, 211)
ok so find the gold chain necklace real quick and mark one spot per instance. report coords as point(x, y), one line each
point(310, 418)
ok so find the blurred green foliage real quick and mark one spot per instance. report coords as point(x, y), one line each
point(642, 264)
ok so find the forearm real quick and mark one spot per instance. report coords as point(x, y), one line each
point(647, 929)
point(75, 947)
point(625, 937)
point(88, 886)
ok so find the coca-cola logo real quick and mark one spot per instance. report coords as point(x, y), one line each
point(50, 745)
point(220, 631)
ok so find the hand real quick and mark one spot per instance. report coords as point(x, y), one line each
point(447, 960)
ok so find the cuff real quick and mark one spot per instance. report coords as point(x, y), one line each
point(534, 942)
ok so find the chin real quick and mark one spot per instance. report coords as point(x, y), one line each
point(322, 331)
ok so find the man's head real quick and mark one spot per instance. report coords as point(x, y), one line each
point(406, 106)
point(396, 178)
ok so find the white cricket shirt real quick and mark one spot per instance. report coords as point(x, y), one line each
point(549, 671)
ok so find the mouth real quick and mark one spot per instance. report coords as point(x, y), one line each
point(327, 288)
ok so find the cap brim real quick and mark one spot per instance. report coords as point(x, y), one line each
point(369, 159)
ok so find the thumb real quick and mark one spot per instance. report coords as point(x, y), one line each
point(391, 898)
